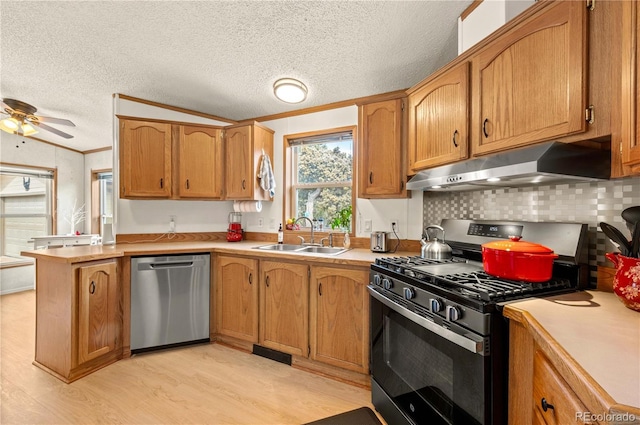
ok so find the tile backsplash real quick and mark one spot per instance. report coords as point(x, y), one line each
point(589, 203)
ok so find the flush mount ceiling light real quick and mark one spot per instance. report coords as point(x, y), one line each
point(290, 90)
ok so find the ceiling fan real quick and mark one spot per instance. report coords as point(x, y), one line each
point(23, 121)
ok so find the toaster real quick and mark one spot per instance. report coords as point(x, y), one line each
point(379, 241)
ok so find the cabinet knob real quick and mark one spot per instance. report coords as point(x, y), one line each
point(455, 135)
point(484, 127)
point(92, 287)
point(546, 406)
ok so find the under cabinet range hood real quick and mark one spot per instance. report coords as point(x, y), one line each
point(549, 162)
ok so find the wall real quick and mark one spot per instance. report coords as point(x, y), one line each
point(69, 165)
point(589, 203)
point(152, 216)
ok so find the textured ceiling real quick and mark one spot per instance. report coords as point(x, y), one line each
point(67, 58)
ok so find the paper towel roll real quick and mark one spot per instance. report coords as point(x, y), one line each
point(247, 206)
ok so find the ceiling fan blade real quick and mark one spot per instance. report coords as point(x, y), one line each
point(53, 130)
point(55, 120)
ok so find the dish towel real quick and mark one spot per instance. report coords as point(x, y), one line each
point(267, 179)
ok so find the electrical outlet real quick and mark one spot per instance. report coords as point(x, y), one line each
point(260, 222)
point(172, 224)
point(367, 225)
point(393, 224)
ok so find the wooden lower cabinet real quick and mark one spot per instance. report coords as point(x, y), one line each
point(554, 403)
point(78, 317)
point(236, 305)
point(339, 325)
point(284, 307)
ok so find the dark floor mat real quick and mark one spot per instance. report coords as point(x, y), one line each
point(361, 416)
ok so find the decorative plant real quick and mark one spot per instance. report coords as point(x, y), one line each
point(343, 219)
point(76, 216)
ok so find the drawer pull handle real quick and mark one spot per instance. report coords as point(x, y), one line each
point(320, 289)
point(244, 184)
point(455, 134)
point(161, 184)
point(371, 177)
point(484, 127)
point(546, 406)
point(250, 278)
point(187, 183)
point(267, 281)
point(92, 288)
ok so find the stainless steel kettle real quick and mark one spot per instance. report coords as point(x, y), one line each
point(435, 249)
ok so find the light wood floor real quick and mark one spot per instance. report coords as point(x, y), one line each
point(205, 384)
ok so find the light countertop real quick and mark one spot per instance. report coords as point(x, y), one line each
point(597, 331)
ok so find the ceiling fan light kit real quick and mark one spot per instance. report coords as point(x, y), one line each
point(290, 90)
point(14, 126)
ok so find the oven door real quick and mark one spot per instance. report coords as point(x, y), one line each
point(423, 376)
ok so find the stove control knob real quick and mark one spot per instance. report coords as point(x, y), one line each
point(387, 284)
point(435, 305)
point(452, 313)
point(377, 279)
point(409, 293)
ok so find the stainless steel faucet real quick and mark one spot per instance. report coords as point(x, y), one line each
point(310, 225)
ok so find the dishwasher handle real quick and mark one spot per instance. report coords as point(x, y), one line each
point(171, 265)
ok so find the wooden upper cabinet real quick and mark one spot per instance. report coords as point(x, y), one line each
point(237, 298)
point(382, 150)
point(339, 325)
point(199, 162)
point(244, 147)
point(99, 324)
point(438, 120)
point(530, 84)
point(145, 159)
point(284, 307)
point(630, 85)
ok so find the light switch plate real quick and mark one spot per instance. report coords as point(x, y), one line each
point(367, 225)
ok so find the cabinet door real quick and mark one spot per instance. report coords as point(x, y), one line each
point(339, 326)
point(381, 164)
point(98, 300)
point(530, 85)
point(237, 298)
point(438, 120)
point(199, 162)
point(238, 163)
point(549, 386)
point(630, 84)
point(145, 159)
point(284, 307)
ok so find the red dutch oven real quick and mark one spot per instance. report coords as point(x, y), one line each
point(518, 260)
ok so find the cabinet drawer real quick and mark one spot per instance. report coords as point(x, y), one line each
point(562, 404)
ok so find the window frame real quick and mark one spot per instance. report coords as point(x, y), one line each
point(96, 228)
point(290, 169)
point(54, 191)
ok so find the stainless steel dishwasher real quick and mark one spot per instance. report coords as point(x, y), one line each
point(169, 301)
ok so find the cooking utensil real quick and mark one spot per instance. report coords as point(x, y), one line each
point(617, 238)
point(631, 216)
point(518, 260)
point(435, 250)
point(635, 242)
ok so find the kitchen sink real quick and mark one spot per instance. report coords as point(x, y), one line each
point(281, 247)
point(323, 250)
point(310, 249)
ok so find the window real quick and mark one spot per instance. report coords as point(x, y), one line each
point(26, 207)
point(319, 174)
point(101, 200)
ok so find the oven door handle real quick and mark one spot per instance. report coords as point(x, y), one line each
point(476, 346)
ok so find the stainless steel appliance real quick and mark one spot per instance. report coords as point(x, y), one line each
point(169, 300)
point(379, 241)
point(439, 344)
